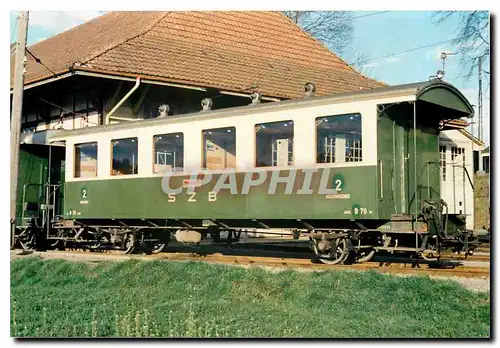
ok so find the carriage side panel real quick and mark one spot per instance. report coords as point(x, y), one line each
point(340, 193)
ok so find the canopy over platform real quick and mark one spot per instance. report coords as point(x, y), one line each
point(447, 96)
point(436, 101)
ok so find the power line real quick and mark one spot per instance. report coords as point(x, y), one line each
point(357, 17)
point(362, 16)
point(464, 76)
point(39, 61)
point(405, 51)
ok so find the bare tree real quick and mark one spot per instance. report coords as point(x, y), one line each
point(359, 63)
point(473, 38)
point(333, 28)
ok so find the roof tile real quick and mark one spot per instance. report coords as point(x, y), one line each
point(226, 50)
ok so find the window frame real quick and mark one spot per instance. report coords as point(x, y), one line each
point(203, 152)
point(112, 157)
point(335, 164)
point(255, 152)
point(154, 150)
point(75, 160)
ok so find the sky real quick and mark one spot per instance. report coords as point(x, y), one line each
point(377, 35)
point(396, 31)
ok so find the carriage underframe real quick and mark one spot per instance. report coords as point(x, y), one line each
point(329, 245)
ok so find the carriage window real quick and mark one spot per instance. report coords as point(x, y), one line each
point(442, 161)
point(338, 139)
point(168, 153)
point(86, 160)
point(274, 144)
point(219, 148)
point(125, 159)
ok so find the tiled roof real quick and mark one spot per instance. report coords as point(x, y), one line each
point(233, 51)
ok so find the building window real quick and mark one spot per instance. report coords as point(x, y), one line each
point(125, 158)
point(442, 161)
point(338, 139)
point(463, 158)
point(475, 159)
point(486, 163)
point(274, 144)
point(86, 160)
point(219, 148)
point(168, 153)
point(455, 152)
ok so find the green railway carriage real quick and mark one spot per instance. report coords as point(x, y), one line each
point(357, 173)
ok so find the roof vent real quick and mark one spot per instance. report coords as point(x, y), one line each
point(206, 104)
point(309, 89)
point(163, 110)
point(256, 97)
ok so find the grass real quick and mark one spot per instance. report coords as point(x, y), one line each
point(56, 298)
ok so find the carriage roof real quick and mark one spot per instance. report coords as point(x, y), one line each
point(435, 91)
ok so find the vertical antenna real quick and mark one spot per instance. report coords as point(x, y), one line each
point(445, 55)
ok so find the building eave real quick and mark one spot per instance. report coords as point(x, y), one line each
point(471, 137)
point(131, 77)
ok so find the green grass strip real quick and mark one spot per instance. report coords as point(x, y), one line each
point(56, 298)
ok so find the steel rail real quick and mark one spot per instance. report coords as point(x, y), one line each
point(277, 262)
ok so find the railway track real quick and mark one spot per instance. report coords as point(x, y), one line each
point(384, 267)
point(484, 249)
point(482, 254)
point(483, 257)
point(450, 269)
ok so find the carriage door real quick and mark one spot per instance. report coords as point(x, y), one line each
point(458, 172)
point(57, 178)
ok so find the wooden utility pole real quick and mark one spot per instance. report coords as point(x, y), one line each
point(480, 100)
point(17, 108)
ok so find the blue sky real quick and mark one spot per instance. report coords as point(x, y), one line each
point(397, 31)
point(374, 36)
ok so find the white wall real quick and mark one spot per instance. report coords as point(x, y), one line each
point(304, 138)
point(457, 187)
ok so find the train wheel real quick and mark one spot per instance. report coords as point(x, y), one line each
point(27, 239)
point(431, 254)
point(158, 248)
point(56, 244)
point(130, 243)
point(96, 247)
point(365, 255)
point(161, 244)
point(29, 242)
point(335, 253)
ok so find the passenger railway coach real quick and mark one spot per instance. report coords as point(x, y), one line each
point(357, 173)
